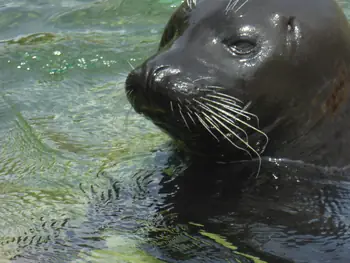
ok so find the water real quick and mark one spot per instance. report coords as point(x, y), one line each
point(84, 179)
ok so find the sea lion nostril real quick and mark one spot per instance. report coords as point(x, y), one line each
point(161, 75)
point(159, 70)
point(154, 75)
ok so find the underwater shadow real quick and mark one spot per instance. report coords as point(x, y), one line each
point(290, 212)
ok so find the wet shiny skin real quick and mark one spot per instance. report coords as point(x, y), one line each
point(237, 83)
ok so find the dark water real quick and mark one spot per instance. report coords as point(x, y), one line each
point(85, 179)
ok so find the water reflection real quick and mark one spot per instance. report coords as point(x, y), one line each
point(292, 211)
point(175, 211)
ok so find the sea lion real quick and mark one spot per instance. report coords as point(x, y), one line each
point(238, 79)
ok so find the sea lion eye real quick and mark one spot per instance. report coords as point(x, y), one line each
point(242, 47)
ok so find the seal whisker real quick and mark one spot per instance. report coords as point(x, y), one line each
point(191, 3)
point(183, 117)
point(231, 5)
point(210, 120)
point(129, 92)
point(247, 144)
point(233, 103)
point(188, 103)
point(241, 112)
point(215, 87)
point(189, 113)
point(205, 107)
point(247, 106)
point(251, 114)
point(126, 120)
point(228, 107)
point(132, 67)
point(206, 126)
point(246, 1)
point(201, 78)
point(237, 119)
point(225, 119)
point(229, 97)
point(228, 121)
point(171, 107)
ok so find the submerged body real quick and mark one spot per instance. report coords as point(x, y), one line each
point(235, 80)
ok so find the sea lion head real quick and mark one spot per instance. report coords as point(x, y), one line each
point(228, 73)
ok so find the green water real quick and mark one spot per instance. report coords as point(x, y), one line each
point(73, 155)
point(63, 112)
